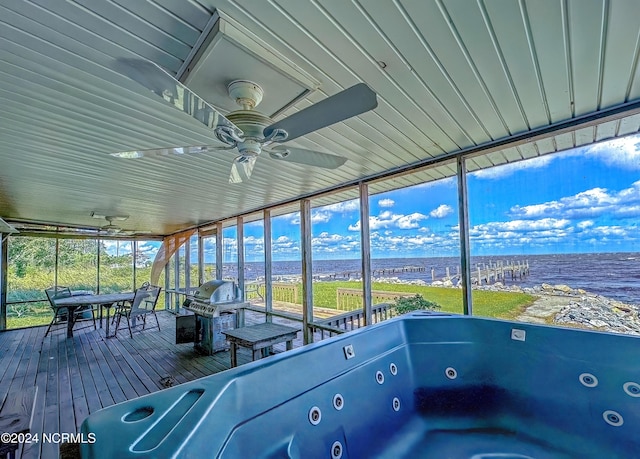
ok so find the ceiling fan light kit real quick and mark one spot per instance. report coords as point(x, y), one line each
point(247, 130)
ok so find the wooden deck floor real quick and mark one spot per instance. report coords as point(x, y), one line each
point(78, 376)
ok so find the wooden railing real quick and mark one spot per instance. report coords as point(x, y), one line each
point(350, 299)
point(331, 326)
point(281, 291)
point(351, 320)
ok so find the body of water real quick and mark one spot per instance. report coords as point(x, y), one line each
point(614, 275)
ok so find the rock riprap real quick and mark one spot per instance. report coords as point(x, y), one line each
point(563, 305)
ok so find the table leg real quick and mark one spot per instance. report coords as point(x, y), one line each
point(70, 315)
point(234, 356)
point(107, 332)
point(289, 345)
point(257, 354)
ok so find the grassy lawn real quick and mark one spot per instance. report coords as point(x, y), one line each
point(504, 305)
point(30, 320)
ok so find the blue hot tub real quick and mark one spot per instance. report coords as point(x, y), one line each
point(419, 386)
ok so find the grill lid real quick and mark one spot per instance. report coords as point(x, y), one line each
point(217, 291)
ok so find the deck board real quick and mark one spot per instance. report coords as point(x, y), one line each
point(78, 376)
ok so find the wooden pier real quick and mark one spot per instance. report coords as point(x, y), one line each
point(489, 273)
point(481, 273)
point(374, 273)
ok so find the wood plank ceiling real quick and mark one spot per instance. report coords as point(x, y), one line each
point(450, 76)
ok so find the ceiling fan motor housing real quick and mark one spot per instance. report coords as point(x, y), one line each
point(246, 93)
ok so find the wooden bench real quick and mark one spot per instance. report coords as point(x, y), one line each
point(16, 411)
point(259, 338)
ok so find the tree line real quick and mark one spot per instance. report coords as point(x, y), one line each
point(32, 253)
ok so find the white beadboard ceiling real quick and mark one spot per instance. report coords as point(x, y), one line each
point(495, 78)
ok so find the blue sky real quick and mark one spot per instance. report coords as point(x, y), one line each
point(583, 200)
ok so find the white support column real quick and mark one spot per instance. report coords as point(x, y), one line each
point(200, 259)
point(134, 250)
point(365, 249)
point(268, 268)
point(465, 255)
point(240, 248)
point(4, 266)
point(187, 265)
point(98, 267)
point(307, 270)
point(176, 283)
point(167, 286)
point(55, 266)
point(219, 250)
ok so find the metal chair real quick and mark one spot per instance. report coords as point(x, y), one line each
point(144, 303)
point(61, 314)
point(122, 305)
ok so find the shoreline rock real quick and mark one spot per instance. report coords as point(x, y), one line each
point(566, 306)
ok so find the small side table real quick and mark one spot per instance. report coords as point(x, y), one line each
point(258, 338)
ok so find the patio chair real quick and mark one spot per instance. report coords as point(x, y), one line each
point(122, 305)
point(143, 304)
point(61, 315)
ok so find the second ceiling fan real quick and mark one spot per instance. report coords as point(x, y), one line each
point(247, 130)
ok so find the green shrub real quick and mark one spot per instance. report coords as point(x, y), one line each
point(414, 303)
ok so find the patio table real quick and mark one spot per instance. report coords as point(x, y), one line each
point(104, 300)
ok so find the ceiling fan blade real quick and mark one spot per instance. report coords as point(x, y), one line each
point(163, 152)
point(307, 157)
point(339, 107)
point(110, 229)
point(163, 84)
point(241, 168)
point(134, 232)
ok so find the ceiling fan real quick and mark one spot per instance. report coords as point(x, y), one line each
point(248, 131)
point(111, 229)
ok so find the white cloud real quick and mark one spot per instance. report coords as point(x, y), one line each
point(334, 243)
point(611, 231)
point(320, 217)
point(585, 224)
point(519, 226)
point(252, 240)
point(410, 221)
point(441, 211)
point(416, 244)
point(505, 170)
point(622, 152)
point(344, 206)
point(386, 202)
point(388, 219)
point(586, 204)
